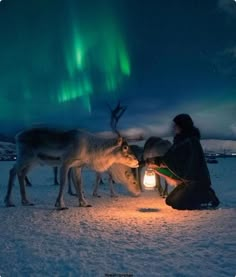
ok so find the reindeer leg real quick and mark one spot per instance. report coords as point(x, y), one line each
point(70, 191)
point(97, 182)
point(60, 200)
point(12, 175)
point(165, 192)
point(111, 184)
point(158, 185)
point(55, 173)
point(21, 177)
point(76, 177)
point(27, 181)
point(139, 176)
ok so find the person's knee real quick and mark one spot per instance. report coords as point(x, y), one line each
point(175, 205)
point(181, 203)
point(171, 201)
point(168, 201)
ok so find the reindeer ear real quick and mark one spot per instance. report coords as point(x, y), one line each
point(119, 141)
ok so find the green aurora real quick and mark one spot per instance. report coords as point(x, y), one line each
point(73, 54)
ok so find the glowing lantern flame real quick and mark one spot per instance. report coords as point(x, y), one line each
point(149, 179)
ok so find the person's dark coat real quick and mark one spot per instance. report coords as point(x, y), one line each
point(186, 160)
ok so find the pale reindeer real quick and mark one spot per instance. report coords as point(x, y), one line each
point(153, 147)
point(117, 173)
point(67, 149)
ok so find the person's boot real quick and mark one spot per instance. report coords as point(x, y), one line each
point(214, 201)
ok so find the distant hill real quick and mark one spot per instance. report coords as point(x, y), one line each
point(220, 146)
point(217, 145)
point(6, 138)
point(208, 145)
point(7, 151)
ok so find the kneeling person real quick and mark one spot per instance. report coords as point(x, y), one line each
point(184, 164)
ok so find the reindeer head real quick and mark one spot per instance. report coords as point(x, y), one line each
point(124, 155)
point(124, 175)
point(155, 146)
point(131, 183)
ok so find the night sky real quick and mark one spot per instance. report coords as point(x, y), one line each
point(62, 62)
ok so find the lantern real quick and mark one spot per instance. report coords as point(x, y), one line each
point(149, 179)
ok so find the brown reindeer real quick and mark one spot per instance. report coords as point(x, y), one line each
point(72, 149)
point(129, 177)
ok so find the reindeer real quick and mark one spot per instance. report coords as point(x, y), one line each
point(155, 146)
point(67, 149)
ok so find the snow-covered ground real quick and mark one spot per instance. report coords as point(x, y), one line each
point(117, 237)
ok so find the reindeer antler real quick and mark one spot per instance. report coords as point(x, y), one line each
point(116, 114)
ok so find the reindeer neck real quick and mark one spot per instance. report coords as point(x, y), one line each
point(101, 164)
point(104, 145)
point(102, 161)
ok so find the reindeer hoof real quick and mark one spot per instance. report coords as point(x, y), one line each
point(85, 205)
point(29, 185)
point(72, 193)
point(96, 195)
point(27, 203)
point(57, 204)
point(62, 208)
point(60, 205)
point(114, 196)
point(9, 204)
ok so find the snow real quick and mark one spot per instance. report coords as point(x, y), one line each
point(7, 149)
point(218, 145)
point(122, 236)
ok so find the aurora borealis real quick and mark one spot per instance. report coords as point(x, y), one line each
point(95, 44)
point(62, 54)
point(62, 62)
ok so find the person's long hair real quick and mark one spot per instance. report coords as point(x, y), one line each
point(193, 132)
point(187, 133)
